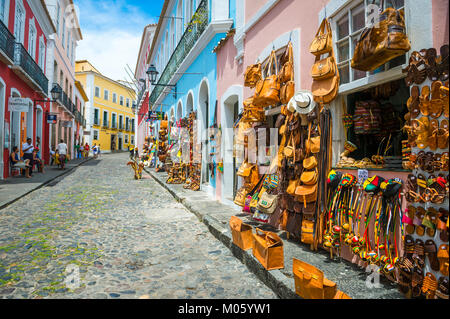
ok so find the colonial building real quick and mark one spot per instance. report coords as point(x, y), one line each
point(25, 29)
point(110, 117)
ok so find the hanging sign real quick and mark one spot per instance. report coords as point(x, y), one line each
point(66, 123)
point(18, 104)
point(154, 116)
point(363, 174)
point(52, 118)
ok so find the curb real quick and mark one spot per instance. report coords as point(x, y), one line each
point(43, 184)
point(282, 286)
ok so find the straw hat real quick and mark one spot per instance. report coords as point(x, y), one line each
point(302, 102)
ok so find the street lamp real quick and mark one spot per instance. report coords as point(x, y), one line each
point(56, 92)
point(152, 73)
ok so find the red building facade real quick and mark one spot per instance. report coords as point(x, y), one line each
point(24, 29)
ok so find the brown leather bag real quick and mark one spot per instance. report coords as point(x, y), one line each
point(287, 70)
point(306, 193)
point(309, 177)
point(312, 144)
point(241, 233)
point(241, 195)
point(322, 42)
point(268, 249)
point(310, 162)
point(308, 280)
point(245, 169)
point(307, 235)
point(325, 91)
point(267, 91)
point(287, 92)
point(323, 69)
point(383, 42)
point(252, 75)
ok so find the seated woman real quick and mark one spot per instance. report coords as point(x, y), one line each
point(37, 161)
point(15, 162)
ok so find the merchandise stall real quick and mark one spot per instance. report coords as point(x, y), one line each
point(385, 202)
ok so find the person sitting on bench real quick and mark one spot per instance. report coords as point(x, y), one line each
point(17, 163)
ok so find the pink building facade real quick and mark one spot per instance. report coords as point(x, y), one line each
point(263, 25)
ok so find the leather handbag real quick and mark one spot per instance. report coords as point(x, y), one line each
point(382, 42)
point(289, 150)
point(323, 69)
point(268, 249)
point(245, 169)
point(293, 183)
point(310, 162)
point(252, 75)
point(309, 177)
point(267, 91)
point(325, 91)
point(322, 42)
point(287, 70)
point(306, 193)
point(307, 235)
point(241, 233)
point(287, 91)
point(280, 120)
point(308, 280)
point(312, 144)
point(241, 195)
point(267, 203)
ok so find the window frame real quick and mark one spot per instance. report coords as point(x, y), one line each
point(5, 18)
point(121, 100)
point(114, 97)
point(32, 38)
point(95, 133)
point(106, 95)
point(127, 102)
point(113, 116)
point(42, 52)
point(98, 117)
point(95, 91)
point(371, 79)
point(107, 118)
point(20, 34)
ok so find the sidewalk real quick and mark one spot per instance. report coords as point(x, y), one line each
point(14, 188)
point(349, 278)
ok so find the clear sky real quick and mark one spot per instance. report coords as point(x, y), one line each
point(112, 32)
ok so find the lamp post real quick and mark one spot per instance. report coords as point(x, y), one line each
point(56, 92)
point(152, 73)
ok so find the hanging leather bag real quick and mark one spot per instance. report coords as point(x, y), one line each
point(287, 70)
point(268, 249)
point(267, 203)
point(312, 144)
point(309, 177)
point(241, 233)
point(323, 69)
point(267, 90)
point(322, 42)
point(252, 75)
point(382, 42)
point(306, 193)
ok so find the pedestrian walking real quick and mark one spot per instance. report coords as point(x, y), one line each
point(27, 149)
point(98, 150)
point(77, 150)
point(52, 156)
point(131, 150)
point(62, 150)
point(86, 150)
point(94, 150)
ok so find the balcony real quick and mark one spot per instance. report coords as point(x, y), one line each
point(120, 126)
point(27, 69)
point(7, 41)
point(196, 27)
point(65, 101)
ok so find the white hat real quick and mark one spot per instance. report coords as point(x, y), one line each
point(302, 102)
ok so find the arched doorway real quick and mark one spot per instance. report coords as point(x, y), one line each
point(15, 118)
point(2, 121)
point(203, 120)
point(189, 104)
point(179, 110)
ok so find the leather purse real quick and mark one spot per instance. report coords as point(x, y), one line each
point(241, 233)
point(267, 90)
point(252, 75)
point(325, 91)
point(323, 69)
point(312, 144)
point(289, 150)
point(245, 169)
point(322, 42)
point(383, 42)
point(287, 70)
point(267, 203)
point(287, 91)
point(293, 185)
point(306, 193)
point(307, 235)
point(310, 162)
point(309, 177)
point(280, 120)
point(268, 249)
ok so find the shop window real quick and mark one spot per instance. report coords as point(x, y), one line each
point(348, 26)
point(378, 117)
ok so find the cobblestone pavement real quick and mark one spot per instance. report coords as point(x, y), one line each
point(125, 239)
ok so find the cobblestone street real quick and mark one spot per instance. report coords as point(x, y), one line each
point(126, 238)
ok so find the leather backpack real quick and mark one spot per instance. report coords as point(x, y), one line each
point(382, 42)
point(267, 90)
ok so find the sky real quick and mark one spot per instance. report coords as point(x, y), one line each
point(112, 32)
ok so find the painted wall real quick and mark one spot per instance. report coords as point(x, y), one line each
point(440, 23)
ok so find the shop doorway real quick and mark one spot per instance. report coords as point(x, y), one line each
point(113, 143)
point(2, 127)
point(120, 143)
point(204, 125)
point(230, 178)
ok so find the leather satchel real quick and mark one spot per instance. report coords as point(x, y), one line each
point(293, 183)
point(325, 91)
point(252, 75)
point(308, 280)
point(309, 177)
point(267, 203)
point(322, 42)
point(245, 169)
point(287, 70)
point(306, 193)
point(312, 144)
point(268, 249)
point(310, 162)
point(383, 42)
point(323, 69)
point(241, 233)
point(267, 91)
point(241, 195)
point(307, 235)
point(287, 92)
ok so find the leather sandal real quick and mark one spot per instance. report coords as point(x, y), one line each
point(429, 285)
point(413, 102)
point(443, 134)
point(445, 159)
point(442, 289)
point(422, 184)
point(445, 98)
point(416, 282)
point(443, 64)
point(421, 129)
point(417, 221)
point(431, 253)
point(432, 140)
point(443, 258)
point(432, 67)
point(425, 103)
point(416, 69)
point(436, 107)
point(410, 213)
point(419, 253)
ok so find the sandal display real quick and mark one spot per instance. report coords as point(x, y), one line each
point(436, 103)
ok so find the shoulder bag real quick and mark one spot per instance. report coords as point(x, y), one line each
point(322, 42)
point(267, 91)
point(252, 75)
point(267, 203)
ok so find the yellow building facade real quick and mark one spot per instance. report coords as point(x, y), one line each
point(110, 118)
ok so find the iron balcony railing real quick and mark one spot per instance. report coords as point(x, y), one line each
point(195, 29)
point(65, 100)
point(7, 41)
point(26, 62)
